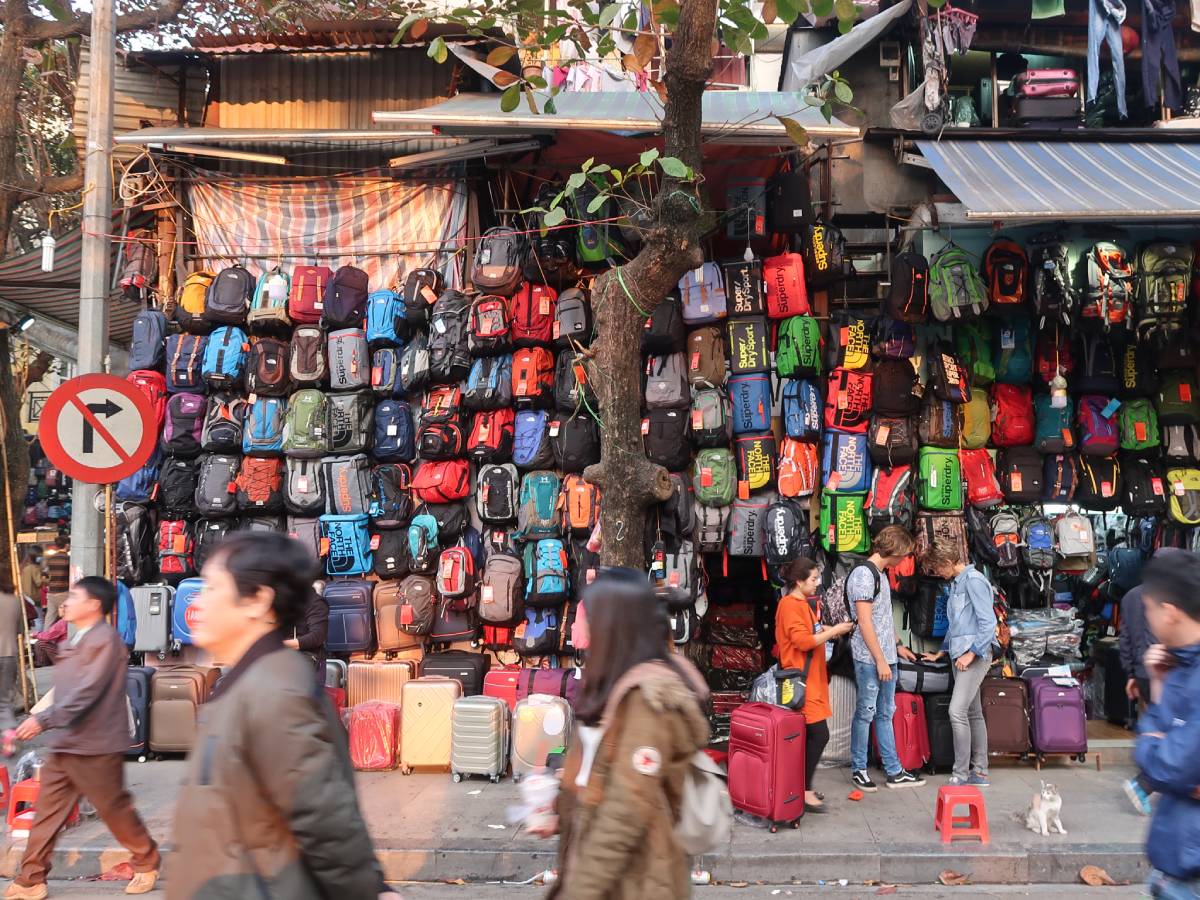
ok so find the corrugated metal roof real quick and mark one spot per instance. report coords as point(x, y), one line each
point(321, 35)
point(1070, 180)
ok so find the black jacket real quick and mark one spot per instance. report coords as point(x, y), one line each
point(312, 631)
point(1135, 637)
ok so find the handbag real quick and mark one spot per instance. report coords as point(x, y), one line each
point(782, 687)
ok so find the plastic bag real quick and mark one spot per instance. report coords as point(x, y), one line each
point(374, 735)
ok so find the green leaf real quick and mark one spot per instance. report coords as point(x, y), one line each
point(845, 9)
point(537, 81)
point(575, 182)
point(844, 25)
point(812, 98)
point(600, 169)
point(500, 55)
point(558, 199)
point(618, 176)
point(787, 11)
point(843, 92)
point(556, 216)
point(588, 164)
point(405, 24)
point(608, 14)
point(936, 4)
point(827, 112)
point(648, 156)
point(822, 8)
point(437, 50)
point(598, 201)
point(674, 167)
point(796, 132)
point(510, 98)
point(549, 108)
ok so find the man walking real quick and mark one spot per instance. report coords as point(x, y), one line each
point(1133, 642)
point(58, 577)
point(88, 734)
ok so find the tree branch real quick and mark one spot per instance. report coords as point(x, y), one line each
point(45, 30)
point(60, 184)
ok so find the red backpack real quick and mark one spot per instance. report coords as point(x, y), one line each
point(531, 313)
point(175, 547)
point(443, 481)
point(1054, 353)
point(491, 438)
point(455, 579)
point(154, 386)
point(787, 294)
point(849, 400)
point(533, 376)
point(306, 299)
point(979, 472)
point(1012, 415)
point(1006, 269)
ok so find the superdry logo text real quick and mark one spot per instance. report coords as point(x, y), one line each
point(820, 257)
point(747, 349)
point(745, 292)
point(780, 536)
point(781, 288)
point(946, 485)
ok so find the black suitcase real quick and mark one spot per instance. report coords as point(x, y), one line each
point(1108, 661)
point(1041, 109)
point(941, 736)
point(466, 668)
point(137, 688)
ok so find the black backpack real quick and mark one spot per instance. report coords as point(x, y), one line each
point(568, 397)
point(345, 301)
point(1051, 285)
point(1098, 487)
point(452, 519)
point(393, 497)
point(496, 494)
point(422, 288)
point(227, 299)
point(892, 441)
point(1020, 470)
point(1144, 487)
point(207, 536)
point(389, 553)
point(177, 485)
point(664, 436)
point(449, 330)
point(1096, 366)
point(785, 531)
point(824, 253)
point(664, 331)
point(576, 442)
point(551, 259)
point(895, 386)
point(908, 295)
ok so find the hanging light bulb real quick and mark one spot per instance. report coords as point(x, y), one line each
point(48, 243)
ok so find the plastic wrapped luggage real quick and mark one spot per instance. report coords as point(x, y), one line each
point(425, 722)
point(378, 679)
point(502, 683)
point(152, 602)
point(175, 695)
point(479, 737)
point(137, 689)
point(374, 735)
point(843, 698)
point(1058, 722)
point(541, 723)
point(468, 669)
point(766, 762)
point(1006, 715)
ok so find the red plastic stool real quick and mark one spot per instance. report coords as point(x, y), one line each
point(22, 803)
point(974, 824)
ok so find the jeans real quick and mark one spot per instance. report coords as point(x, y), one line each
point(1158, 51)
point(966, 719)
point(1101, 28)
point(1164, 886)
point(876, 702)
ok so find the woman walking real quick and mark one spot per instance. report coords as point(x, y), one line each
point(268, 807)
point(801, 642)
point(968, 642)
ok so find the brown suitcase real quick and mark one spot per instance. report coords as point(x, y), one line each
point(378, 680)
point(388, 634)
point(175, 694)
point(1006, 715)
point(426, 723)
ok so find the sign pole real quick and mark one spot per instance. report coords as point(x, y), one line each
point(94, 280)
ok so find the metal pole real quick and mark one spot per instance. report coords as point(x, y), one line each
point(86, 543)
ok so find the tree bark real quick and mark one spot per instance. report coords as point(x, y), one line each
point(17, 449)
point(12, 68)
point(623, 298)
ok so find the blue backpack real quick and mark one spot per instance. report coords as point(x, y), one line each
point(546, 582)
point(140, 486)
point(1013, 351)
point(531, 440)
point(383, 309)
point(538, 634)
point(126, 615)
point(225, 356)
point(489, 383)
point(185, 362)
point(349, 542)
point(385, 372)
point(750, 403)
point(263, 432)
point(1051, 423)
point(802, 409)
point(181, 629)
point(423, 545)
point(394, 440)
point(845, 462)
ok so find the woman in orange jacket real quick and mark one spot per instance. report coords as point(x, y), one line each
point(801, 638)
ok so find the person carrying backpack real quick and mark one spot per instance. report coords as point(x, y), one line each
point(875, 648)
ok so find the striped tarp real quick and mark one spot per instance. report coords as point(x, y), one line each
point(383, 227)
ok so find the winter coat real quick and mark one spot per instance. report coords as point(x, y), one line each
point(617, 834)
point(268, 808)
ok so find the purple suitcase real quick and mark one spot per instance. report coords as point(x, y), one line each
point(562, 682)
point(1058, 720)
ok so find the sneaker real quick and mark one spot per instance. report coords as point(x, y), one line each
point(955, 781)
point(978, 779)
point(142, 883)
point(904, 778)
point(863, 782)
point(1138, 797)
point(21, 892)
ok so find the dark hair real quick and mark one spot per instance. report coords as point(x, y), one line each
point(99, 589)
point(1173, 576)
point(796, 571)
point(258, 559)
point(62, 541)
point(893, 541)
point(627, 626)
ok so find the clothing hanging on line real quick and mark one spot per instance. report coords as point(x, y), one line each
point(1105, 18)
point(1158, 53)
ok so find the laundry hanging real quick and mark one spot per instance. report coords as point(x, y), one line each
point(1105, 18)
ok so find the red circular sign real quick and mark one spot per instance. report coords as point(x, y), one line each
point(189, 616)
point(98, 428)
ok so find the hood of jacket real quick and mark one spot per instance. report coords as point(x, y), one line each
point(666, 686)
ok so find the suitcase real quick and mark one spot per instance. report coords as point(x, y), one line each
point(1058, 722)
point(555, 682)
point(479, 738)
point(912, 733)
point(337, 696)
point(1110, 681)
point(350, 615)
point(425, 722)
point(374, 734)
point(502, 683)
point(152, 603)
point(766, 762)
point(1047, 83)
point(540, 724)
point(1040, 108)
point(468, 669)
point(1006, 715)
point(941, 735)
point(725, 702)
point(137, 688)
point(922, 677)
point(370, 679)
point(175, 694)
point(843, 698)
point(181, 603)
point(335, 673)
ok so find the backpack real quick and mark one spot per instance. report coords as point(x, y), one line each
point(421, 290)
point(786, 288)
point(489, 332)
point(455, 579)
point(489, 383)
point(748, 346)
point(1176, 400)
point(895, 391)
point(1005, 537)
point(744, 287)
point(892, 441)
point(140, 487)
point(572, 392)
point(802, 410)
point(796, 474)
point(386, 322)
point(940, 422)
point(1012, 415)
point(939, 482)
point(385, 372)
point(747, 532)
point(533, 377)
point(1013, 358)
point(532, 315)
point(185, 362)
point(1097, 367)
point(1050, 283)
point(497, 487)
point(443, 481)
point(177, 485)
point(848, 400)
point(1139, 427)
point(350, 418)
point(304, 487)
point(441, 440)
point(349, 359)
point(843, 523)
point(908, 291)
point(890, 500)
point(1005, 269)
point(573, 322)
point(260, 485)
point(714, 477)
point(702, 293)
point(546, 580)
point(956, 292)
point(442, 405)
point(664, 438)
point(348, 540)
point(798, 348)
point(1020, 470)
point(939, 529)
point(576, 442)
point(664, 330)
point(710, 419)
point(531, 440)
point(499, 261)
point(979, 474)
point(306, 426)
point(1097, 418)
point(147, 341)
point(449, 357)
point(189, 310)
point(785, 529)
point(268, 308)
point(393, 439)
point(184, 424)
point(491, 435)
point(824, 253)
point(1052, 424)
point(1183, 501)
point(1099, 486)
point(175, 546)
point(951, 380)
point(502, 588)
point(755, 460)
point(215, 485)
point(307, 364)
point(1164, 272)
point(581, 505)
point(845, 463)
point(538, 506)
point(1145, 488)
point(539, 633)
point(348, 484)
point(1181, 443)
point(893, 339)
point(267, 368)
point(228, 297)
point(973, 345)
point(977, 420)
point(345, 300)
point(750, 403)
point(1053, 354)
point(389, 552)
point(224, 423)
point(850, 337)
point(1060, 477)
point(1076, 543)
point(263, 431)
point(306, 298)
point(207, 536)
point(225, 357)
point(1107, 305)
point(139, 268)
point(391, 505)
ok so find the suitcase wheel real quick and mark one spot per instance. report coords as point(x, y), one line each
point(495, 779)
point(457, 776)
point(405, 770)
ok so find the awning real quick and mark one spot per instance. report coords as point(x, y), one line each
point(729, 116)
point(1069, 179)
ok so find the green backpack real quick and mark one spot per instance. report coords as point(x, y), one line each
point(597, 238)
point(1177, 401)
point(1139, 426)
point(973, 341)
point(714, 476)
point(939, 479)
point(843, 523)
point(798, 348)
point(956, 292)
point(1164, 273)
point(306, 426)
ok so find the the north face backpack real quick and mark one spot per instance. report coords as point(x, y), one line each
point(890, 500)
point(539, 506)
point(748, 345)
point(1050, 284)
point(268, 308)
point(441, 440)
point(956, 292)
point(908, 293)
point(843, 523)
point(977, 420)
point(666, 382)
point(664, 330)
point(1164, 274)
point(1006, 270)
point(177, 485)
point(489, 384)
point(348, 539)
point(702, 292)
point(224, 423)
point(532, 448)
point(496, 491)
point(1076, 543)
point(581, 504)
point(1013, 351)
point(750, 402)
point(575, 441)
point(443, 481)
point(501, 588)
point(755, 461)
point(1181, 443)
point(979, 474)
point(490, 331)
point(449, 356)
point(345, 300)
point(260, 485)
point(175, 547)
point(803, 410)
point(349, 359)
point(387, 325)
point(183, 424)
point(393, 439)
point(845, 463)
point(798, 348)
point(824, 253)
point(228, 297)
point(894, 387)
point(385, 372)
point(949, 377)
point(306, 299)
point(391, 505)
point(185, 362)
point(1053, 424)
point(940, 422)
point(225, 357)
point(939, 479)
point(389, 552)
point(1099, 486)
point(572, 391)
point(552, 250)
point(1020, 470)
point(499, 261)
point(598, 237)
point(304, 487)
point(348, 483)
point(532, 315)
point(207, 536)
point(547, 582)
point(1005, 530)
point(744, 287)
point(785, 529)
point(849, 337)
point(1145, 487)
point(267, 368)
point(1177, 401)
point(1108, 303)
point(306, 426)
point(705, 355)
point(1183, 499)
point(307, 363)
point(1012, 415)
point(456, 577)
point(421, 290)
point(490, 438)
point(214, 491)
point(414, 364)
point(263, 433)
point(1098, 431)
point(710, 424)
point(892, 441)
point(796, 471)
point(1139, 427)
point(140, 486)
point(848, 400)
point(664, 438)
point(1097, 371)
point(1037, 543)
point(893, 339)
point(350, 421)
point(786, 288)
point(1060, 478)
point(714, 477)
point(147, 342)
point(189, 310)
point(533, 377)
point(973, 346)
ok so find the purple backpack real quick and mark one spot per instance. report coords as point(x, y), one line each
point(1099, 434)
point(184, 423)
point(555, 682)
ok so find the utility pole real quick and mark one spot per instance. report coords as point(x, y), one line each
point(86, 538)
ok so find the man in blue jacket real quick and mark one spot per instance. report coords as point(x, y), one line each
point(1168, 745)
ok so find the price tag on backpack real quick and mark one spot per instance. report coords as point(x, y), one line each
point(1068, 438)
point(881, 435)
point(1008, 339)
point(743, 489)
point(393, 430)
point(835, 478)
point(375, 539)
point(179, 543)
point(1156, 485)
point(376, 375)
point(556, 329)
point(1017, 481)
point(252, 398)
point(1139, 430)
point(1185, 392)
point(486, 593)
point(645, 427)
point(544, 306)
point(302, 484)
point(1106, 489)
point(231, 488)
point(933, 478)
point(706, 476)
point(406, 614)
point(580, 373)
point(439, 326)
point(843, 400)
point(427, 294)
point(590, 576)
point(695, 364)
point(697, 419)
point(1111, 408)
point(554, 426)
point(324, 551)
point(1180, 490)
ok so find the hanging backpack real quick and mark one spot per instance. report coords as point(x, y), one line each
point(843, 523)
point(908, 289)
point(755, 461)
point(950, 379)
point(1181, 443)
point(393, 438)
point(306, 426)
point(748, 346)
point(183, 425)
point(449, 357)
point(581, 505)
point(1004, 530)
point(224, 423)
point(598, 243)
point(489, 332)
point(497, 487)
point(304, 487)
point(892, 441)
point(1139, 427)
point(1183, 501)
point(1037, 543)
point(307, 362)
point(443, 481)
point(214, 485)
point(849, 339)
point(1012, 415)
point(147, 342)
point(664, 438)
point(796, 471)
point(386, 321)
point(702, 293)
point(940, 422)
point(785, 527)
point(1020, 470)
point(956, 292)
point(1053, 354)
point(538, 506)
point(551, 256)
point(973, 346)
point(268, 307)
point(547, 582)
point(489, 384)
point(666, 382)
point(1164, 273)
point(225, 357)
point(576, 442)
point(894, 388)
point(1060, 478)
point(348, 483)
point(263, 432)
point(572, 392)
point(306, 300)
point(140, 487)
point(441, 440)
point(350, 419)
point(747, 532)
point(977, 420)
point(849, 400)
point(893, 339)
point(786, 288)
point(189, 309)
point(177, 485)
point(391, 504)
point(706, 357)
point(664, 330)
point(228, 296)
point(260, 485)
point(499, 261)
point(1006, 270)
point(422, 287)
point(1097, 371)
point(185, 362)
point(349, 359)
point(1053, 424)
point(744, 287)
point(798, 348)
point(824, 253)
point(385, 372)
point(1098, 431)
point(939, 481)
point(1176, 401)
point(890, 500)
point(1145, 488)
point(710, 423)
point(714, 477)
point(979, 474)
point(802, 409)
point(267, 368)
point(345, 299)
point(1050, 283)
point(1076, 542)
point(532, 448)
point(532, 315)
point(845, 463)
point(1013, 356)
point(1107, 305)
point(1099, 487)
point(533, 377)
point(348, 539)
point(750, 403)
point(490, 438)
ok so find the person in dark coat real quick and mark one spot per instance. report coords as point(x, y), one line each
point(311, 631)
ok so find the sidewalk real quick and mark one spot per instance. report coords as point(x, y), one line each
point(427, 828)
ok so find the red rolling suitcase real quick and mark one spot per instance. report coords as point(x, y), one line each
point(912, 732)
point(766, 762)
point(503, 683)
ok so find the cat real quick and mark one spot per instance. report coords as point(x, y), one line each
point(1044, 811)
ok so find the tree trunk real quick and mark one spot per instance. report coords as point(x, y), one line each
point(12, 67)
point(624, 297)
point(18, 450)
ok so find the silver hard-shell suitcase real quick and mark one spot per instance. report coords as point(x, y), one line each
point(152, 604)
point(479, 737)
point(541, 723)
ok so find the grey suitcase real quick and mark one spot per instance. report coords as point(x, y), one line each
point(479, 737)
point(152, 603)
point(382, 679)
point(335, 673)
